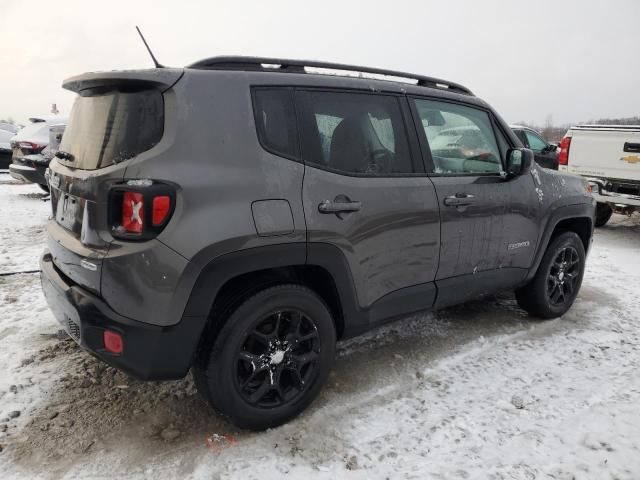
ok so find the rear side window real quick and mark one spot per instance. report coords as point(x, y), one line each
point(276, 120)
point(354, 133)
point(461, 138)
point(110, 127)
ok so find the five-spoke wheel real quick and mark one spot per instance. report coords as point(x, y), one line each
point(270, 358)
point(277, 358)
point(554, 287)
point(563, 275)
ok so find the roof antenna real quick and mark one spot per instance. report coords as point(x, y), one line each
point(156, 63)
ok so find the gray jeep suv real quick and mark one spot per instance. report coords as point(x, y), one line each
point(239, 216)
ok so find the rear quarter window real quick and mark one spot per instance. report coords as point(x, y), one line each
point(276, 121)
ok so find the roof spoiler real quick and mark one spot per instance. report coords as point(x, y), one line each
point(161, 78)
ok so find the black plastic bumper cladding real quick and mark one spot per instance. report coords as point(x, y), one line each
point(150, 352)
point(31, 176)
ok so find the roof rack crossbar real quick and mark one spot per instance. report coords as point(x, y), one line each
point(298, 66)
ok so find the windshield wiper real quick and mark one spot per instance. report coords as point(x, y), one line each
point(64, 155)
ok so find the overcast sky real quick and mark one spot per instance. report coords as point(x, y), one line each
point(574, 60)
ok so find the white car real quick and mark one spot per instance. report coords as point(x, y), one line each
point(30, 159)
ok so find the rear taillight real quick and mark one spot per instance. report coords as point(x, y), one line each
point(132, 220)
point(140, 210)
point(34, 147)
point(563, 156)
point(161, 209)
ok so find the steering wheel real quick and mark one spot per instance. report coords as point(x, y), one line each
point(482, 157)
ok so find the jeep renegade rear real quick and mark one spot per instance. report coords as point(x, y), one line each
point(239, 216)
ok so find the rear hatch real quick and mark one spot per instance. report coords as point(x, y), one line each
point(116, 117)
point(605, 151)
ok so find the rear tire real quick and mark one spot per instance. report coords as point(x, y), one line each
point(270, 358)
point(603, 214)
point(557, 282)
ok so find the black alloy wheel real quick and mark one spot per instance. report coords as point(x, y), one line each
point(270, 358)
point(277, 359)
point(556, 283)
point(563, 276)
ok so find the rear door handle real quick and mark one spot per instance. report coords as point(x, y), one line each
point(327, 206)
point(459, 200)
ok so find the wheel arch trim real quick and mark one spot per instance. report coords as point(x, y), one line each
point(581, 212)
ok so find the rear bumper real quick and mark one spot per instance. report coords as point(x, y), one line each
point(150, 352)
point(617, 198)
point(28, 174)
point(604, 196)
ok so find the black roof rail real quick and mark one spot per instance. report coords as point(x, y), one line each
point(298, 66)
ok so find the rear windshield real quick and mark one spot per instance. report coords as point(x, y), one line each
point(109, 127)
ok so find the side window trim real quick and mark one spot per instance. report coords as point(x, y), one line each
point(424, 143)
point(498, 132)
point(523, 138)
point(427, 160)
point(415, 150)
point(400, 98)
point(297, 157)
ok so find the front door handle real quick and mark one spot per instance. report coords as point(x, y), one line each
point(459, 200)
point(327, 206)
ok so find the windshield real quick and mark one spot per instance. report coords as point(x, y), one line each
point(112, 126)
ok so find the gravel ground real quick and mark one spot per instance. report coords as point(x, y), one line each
point(479, 391)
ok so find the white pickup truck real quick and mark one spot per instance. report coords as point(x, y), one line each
point(609, 157)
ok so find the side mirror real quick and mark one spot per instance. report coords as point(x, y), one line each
point(552, 147)
point(519, 161)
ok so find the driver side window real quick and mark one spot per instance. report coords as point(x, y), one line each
point(461, 138)
point(535, 142)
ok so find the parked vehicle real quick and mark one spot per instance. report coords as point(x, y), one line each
point(237, 218)
point(546, 154)
point(7, 131)
point(609, 157)
point(31, 156)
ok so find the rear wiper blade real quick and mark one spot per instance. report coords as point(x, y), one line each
point(64, 155)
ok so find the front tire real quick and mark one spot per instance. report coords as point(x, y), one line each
point(603, 214)
point(270, 359)
point(555, 285)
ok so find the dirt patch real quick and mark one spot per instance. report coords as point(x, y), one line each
point(96, 407)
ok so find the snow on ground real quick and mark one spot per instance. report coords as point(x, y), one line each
point(479, 391)
point(22, 226)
